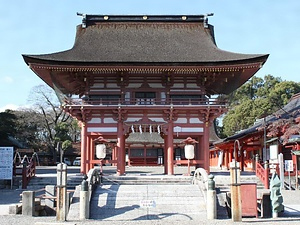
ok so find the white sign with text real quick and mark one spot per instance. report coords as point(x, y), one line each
point(6, 163)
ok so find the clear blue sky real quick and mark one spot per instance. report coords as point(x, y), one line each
point(46, 26)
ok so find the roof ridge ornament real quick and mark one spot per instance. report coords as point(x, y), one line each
point(83, 19)
point(88, 19)
point(205, 22)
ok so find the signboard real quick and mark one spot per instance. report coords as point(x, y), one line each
point(273, 151)
point(288, 165)
point(6, 163)
point(147, 204)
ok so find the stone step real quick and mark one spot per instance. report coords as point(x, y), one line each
point(125, 202)
point(133, 180)
point(39, 182)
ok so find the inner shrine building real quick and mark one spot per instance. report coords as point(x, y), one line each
point(142, 84)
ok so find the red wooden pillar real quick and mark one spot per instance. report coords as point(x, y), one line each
point(205, 146)
point(165, 154)
point(199, 152)
point(114, 155)
point(230, 155)
point(226, 157)
point(88, 152)
point(170, 150)
point(129, 153)
point(83, 147)
point(92, 153)
point(145, 155)
point(121, 149)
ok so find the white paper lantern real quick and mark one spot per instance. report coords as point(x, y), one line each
point(100, 151)
point(189, 151)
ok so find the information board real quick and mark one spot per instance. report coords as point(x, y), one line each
point(288, 165)
point(6, 163)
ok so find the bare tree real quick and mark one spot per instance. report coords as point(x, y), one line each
point(45, 101)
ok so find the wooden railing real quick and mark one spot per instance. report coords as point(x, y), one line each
point(263, 174)
point(26, 168)
point(28, 172)
point(144, 102)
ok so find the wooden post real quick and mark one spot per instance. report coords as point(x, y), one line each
point(114, 155)
point(206, 147)
point(266, 175)
point(170, 150)
point(83, 148)
point(235, 189)
point(121, 150)
point(92, 153)
point(165, 154)
point(88, 149)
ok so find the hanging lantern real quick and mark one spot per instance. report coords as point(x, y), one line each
point(100, 151)
point(189, 151)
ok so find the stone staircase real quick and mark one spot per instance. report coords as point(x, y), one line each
point(148, 197)
point(147, 179)
point(223, 181)
point(168, 202)
point(41, 180)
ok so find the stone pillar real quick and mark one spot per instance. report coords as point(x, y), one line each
point(28, 204)
point(83, 148)
point(50, 193)
point(84, 211)
point(211, 204)
point(61, 209)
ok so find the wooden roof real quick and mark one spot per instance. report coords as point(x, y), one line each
point(291, 109)
point(135, 40)
point(180, 44)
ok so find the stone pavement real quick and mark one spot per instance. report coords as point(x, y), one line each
point(290, 216)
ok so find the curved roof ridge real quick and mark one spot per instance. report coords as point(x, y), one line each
point(146, 42)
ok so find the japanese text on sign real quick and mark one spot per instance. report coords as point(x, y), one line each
point(6, 163)
point(288, 165)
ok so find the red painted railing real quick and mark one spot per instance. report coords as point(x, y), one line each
point(145, 101)
point(262, 174)
point(27, 170)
